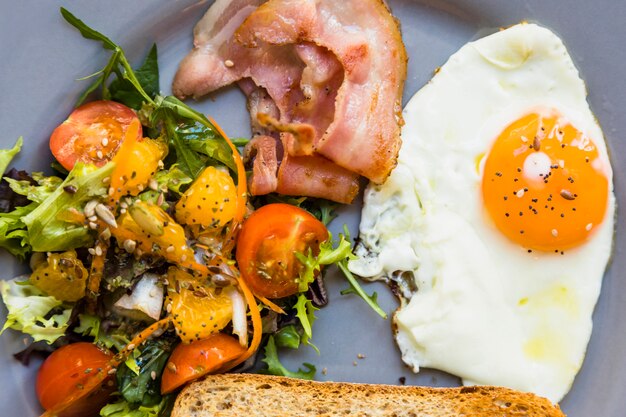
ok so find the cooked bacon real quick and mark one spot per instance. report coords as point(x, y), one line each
point(313, 175)
point(327, 75)
point(261, 150)
point(365, 133)
point(316, 176)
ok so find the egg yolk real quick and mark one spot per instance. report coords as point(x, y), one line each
point(543, 183)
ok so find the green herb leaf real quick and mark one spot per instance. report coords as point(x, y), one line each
point(274, 367)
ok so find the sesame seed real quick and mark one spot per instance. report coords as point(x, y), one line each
point(555, 232)
point(229, 63)
point(520, 193)
point(99, 155)
point(589, 226)
point(91, 251)
point(93, 226)
point(98, 251)
point(153, 375)
point(105, 142)
point(170, 249)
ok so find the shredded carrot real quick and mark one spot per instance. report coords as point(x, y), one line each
point(242, 186)
point(257, 328)
point(242, 189)
point(138, 340)
point(271, 305)
point(95, 277)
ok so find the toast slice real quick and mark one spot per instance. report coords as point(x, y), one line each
point(265, 396)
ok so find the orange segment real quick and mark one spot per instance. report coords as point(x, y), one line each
point(198, 310)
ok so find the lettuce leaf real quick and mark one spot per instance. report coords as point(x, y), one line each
point(7, 155)
point(38, 192)
point(13, 233)
point(47, 228)
point(33, 312)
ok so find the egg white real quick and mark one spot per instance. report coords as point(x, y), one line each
point(485, 309)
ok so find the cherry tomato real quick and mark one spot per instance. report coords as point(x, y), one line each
point(92, 133)
point(193, 360)
point(65, 371)
point(267, 243)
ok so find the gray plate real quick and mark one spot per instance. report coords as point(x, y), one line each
point(41, 56)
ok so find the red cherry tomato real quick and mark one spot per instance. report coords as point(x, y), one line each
point(65, 372)
point(193, 360)
point(267, 243)
point(92, 133)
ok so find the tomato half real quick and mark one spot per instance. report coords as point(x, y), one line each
point(267, 243)
point(92, 133)
point(65, 372)
point(193, 360)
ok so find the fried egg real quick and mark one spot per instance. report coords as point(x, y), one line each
point(500, 213)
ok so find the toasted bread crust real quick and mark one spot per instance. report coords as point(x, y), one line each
point(265, 396)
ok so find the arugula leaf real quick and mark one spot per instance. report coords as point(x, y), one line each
point(305, 312)
point(123, 91)
point(274, 367)
point(47, 229)
point(117, 63)
point(7, 155)
point(139, 89)
point(135, 383)
point(86, 31)
point(186, 159)
point(216, 149)
point(33, 312)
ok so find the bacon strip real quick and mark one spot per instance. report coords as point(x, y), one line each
point(365, 133)
point(323, 76)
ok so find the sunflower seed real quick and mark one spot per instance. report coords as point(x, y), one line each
point(146, 220)
point(105, 214)
point(90, 208)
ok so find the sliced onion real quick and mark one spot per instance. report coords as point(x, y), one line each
point(240, 319)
